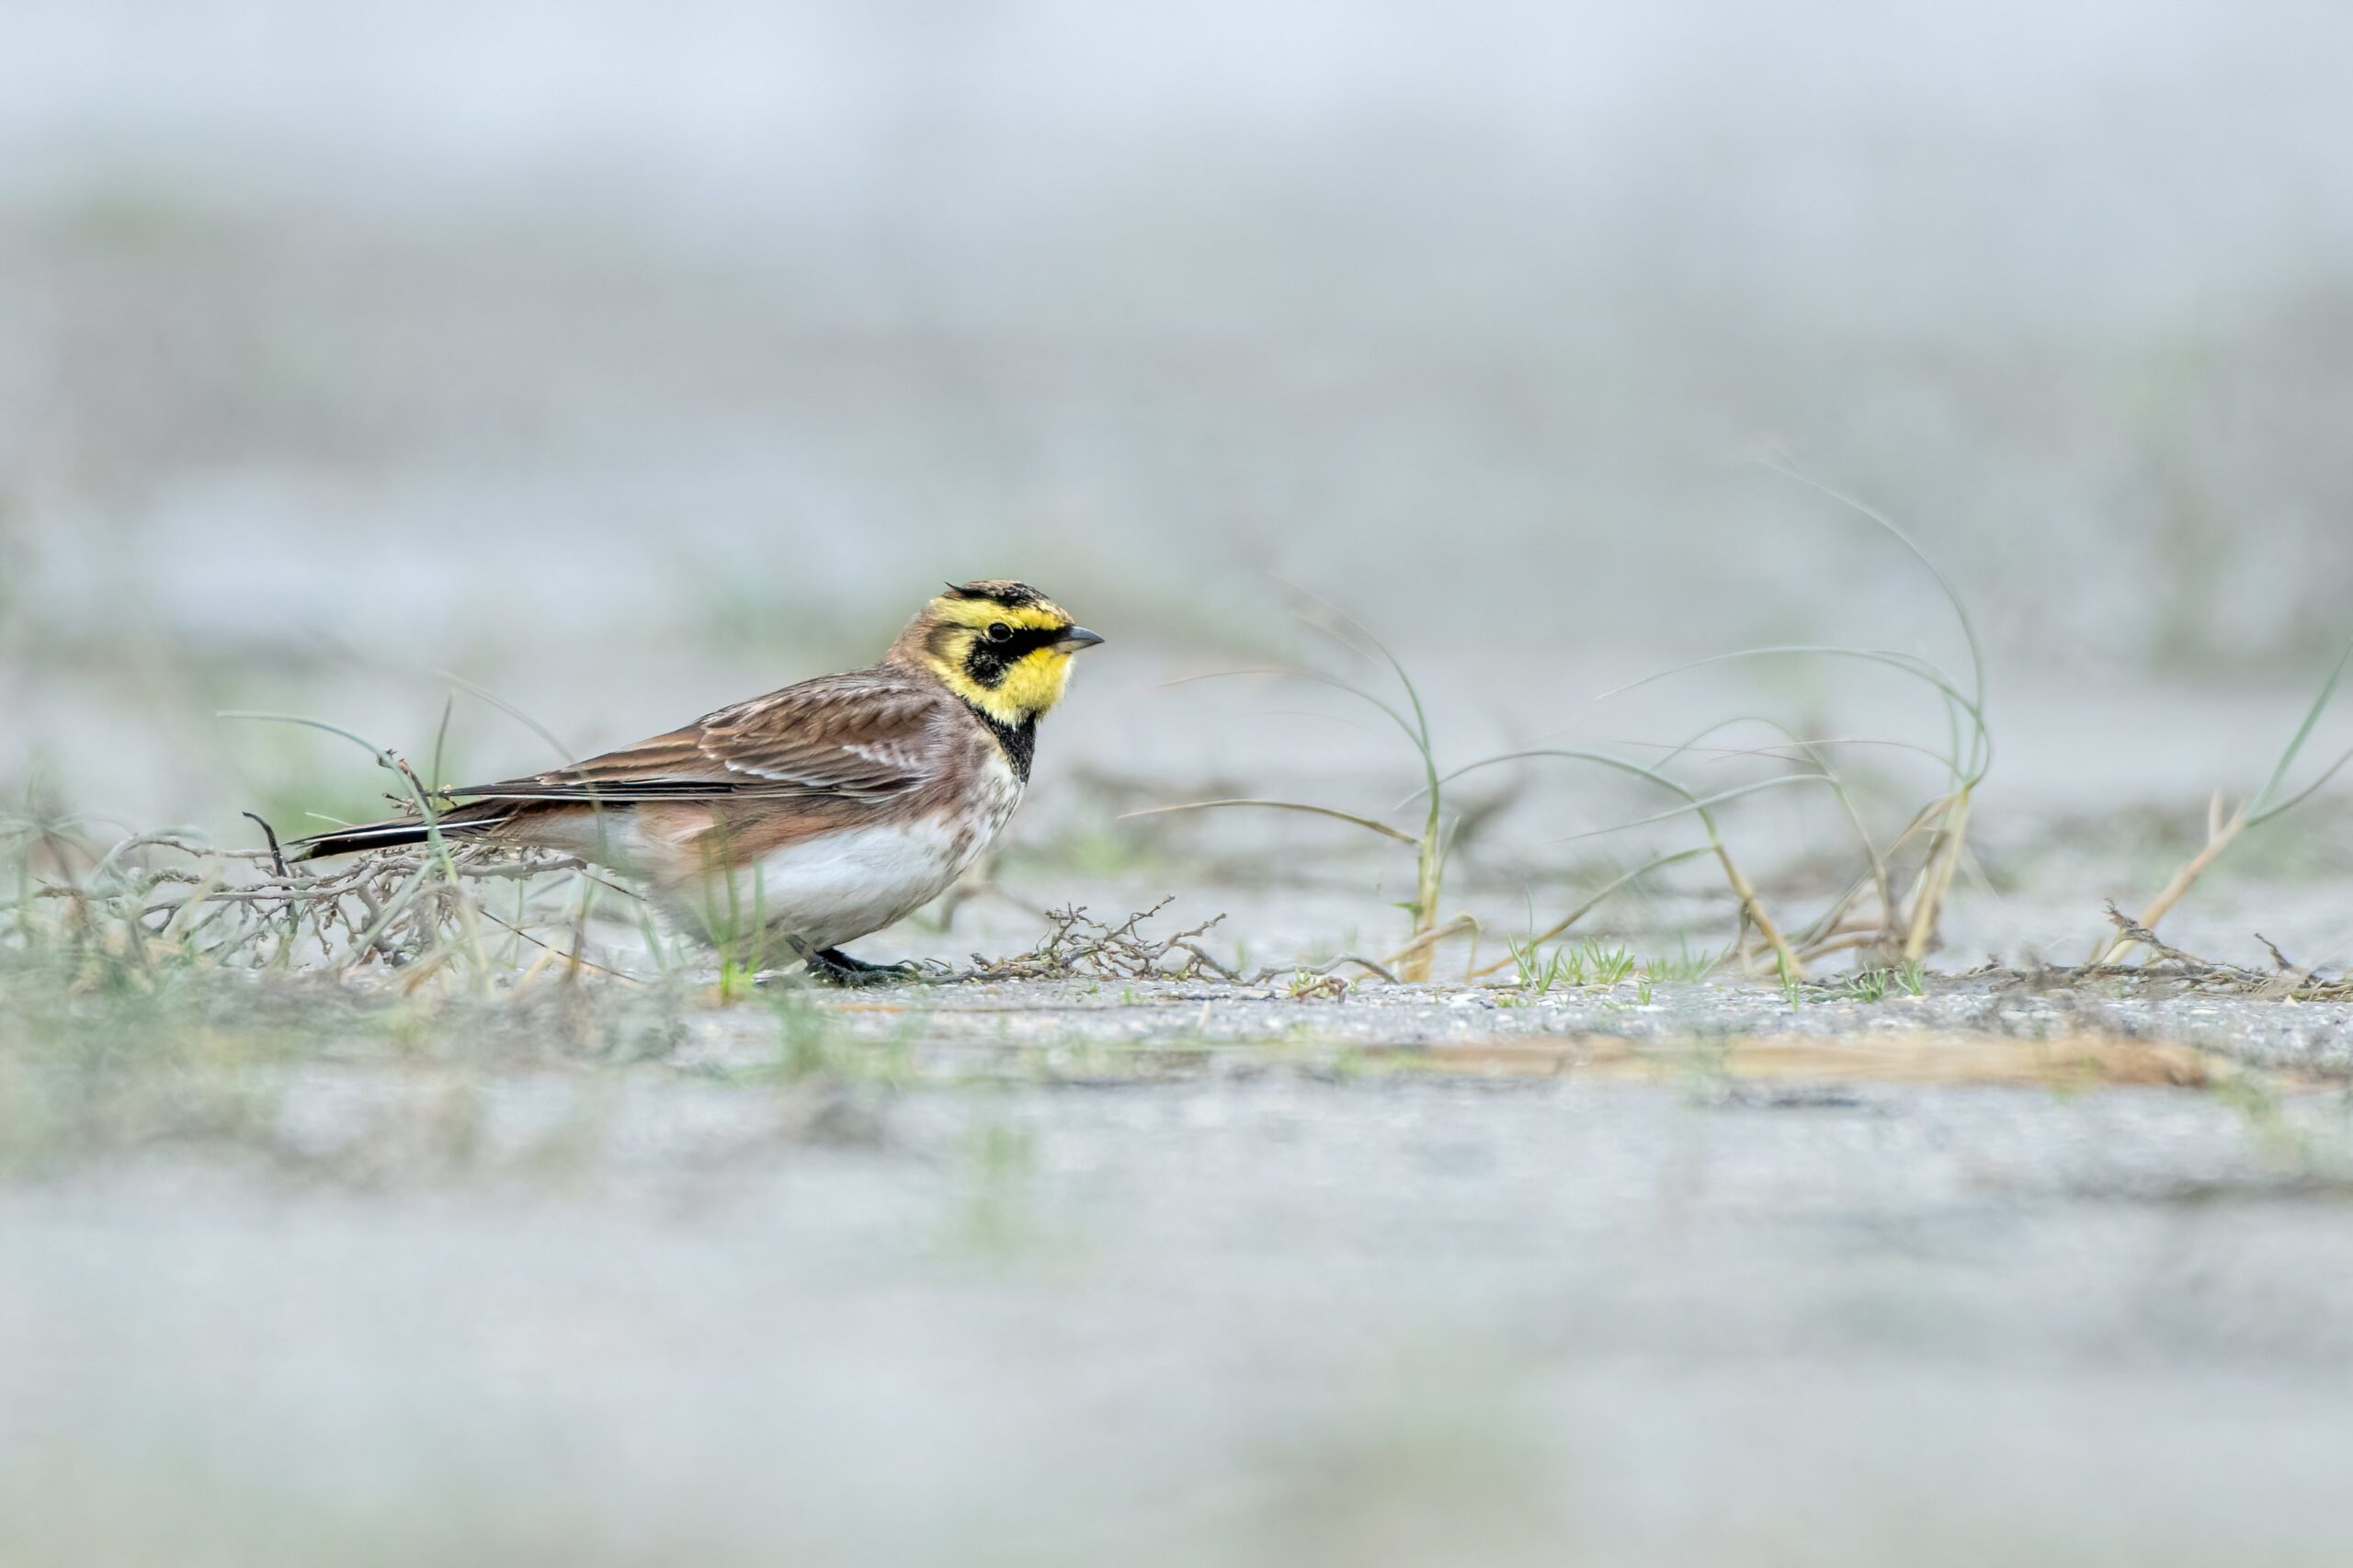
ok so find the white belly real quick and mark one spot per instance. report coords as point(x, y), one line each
point(830, 890)
point(844, 885)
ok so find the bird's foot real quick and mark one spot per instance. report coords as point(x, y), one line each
point(837, 968)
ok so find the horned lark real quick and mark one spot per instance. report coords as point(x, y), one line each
point(815, 815)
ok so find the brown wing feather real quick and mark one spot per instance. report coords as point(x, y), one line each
point(865, 737)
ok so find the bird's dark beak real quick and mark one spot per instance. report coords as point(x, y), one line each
point(1078, 637)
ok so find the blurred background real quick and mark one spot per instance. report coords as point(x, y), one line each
point(621, 360)
point(627, 361)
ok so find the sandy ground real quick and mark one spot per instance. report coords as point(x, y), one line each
point(629, 374)
point(1182, 1272)
point(1174, 1272)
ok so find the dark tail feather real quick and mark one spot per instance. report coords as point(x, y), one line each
point(392, 834)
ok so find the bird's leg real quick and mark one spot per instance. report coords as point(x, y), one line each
point(837, 968)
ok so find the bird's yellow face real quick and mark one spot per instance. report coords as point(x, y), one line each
point(1003, 647)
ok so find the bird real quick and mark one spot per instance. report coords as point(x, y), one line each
point(811, 816)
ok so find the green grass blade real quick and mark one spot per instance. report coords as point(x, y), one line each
point(1320, 679)
point(1701, 805)
point(564, 755)
point(1381, 828)
point(2262, 806)
point(1572, 754)
point(1788, 470)
point(2300, 796)
point(1908, 664)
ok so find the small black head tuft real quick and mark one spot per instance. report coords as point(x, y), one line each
point(996, 590)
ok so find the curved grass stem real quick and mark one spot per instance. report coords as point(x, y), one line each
point(2265, 806)
point(1751, 908)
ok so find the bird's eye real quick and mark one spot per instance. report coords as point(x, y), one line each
point(999, 632)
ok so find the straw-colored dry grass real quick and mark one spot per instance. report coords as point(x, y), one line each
point(451, 920)
point(2224, 828)
point(1871, 916)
